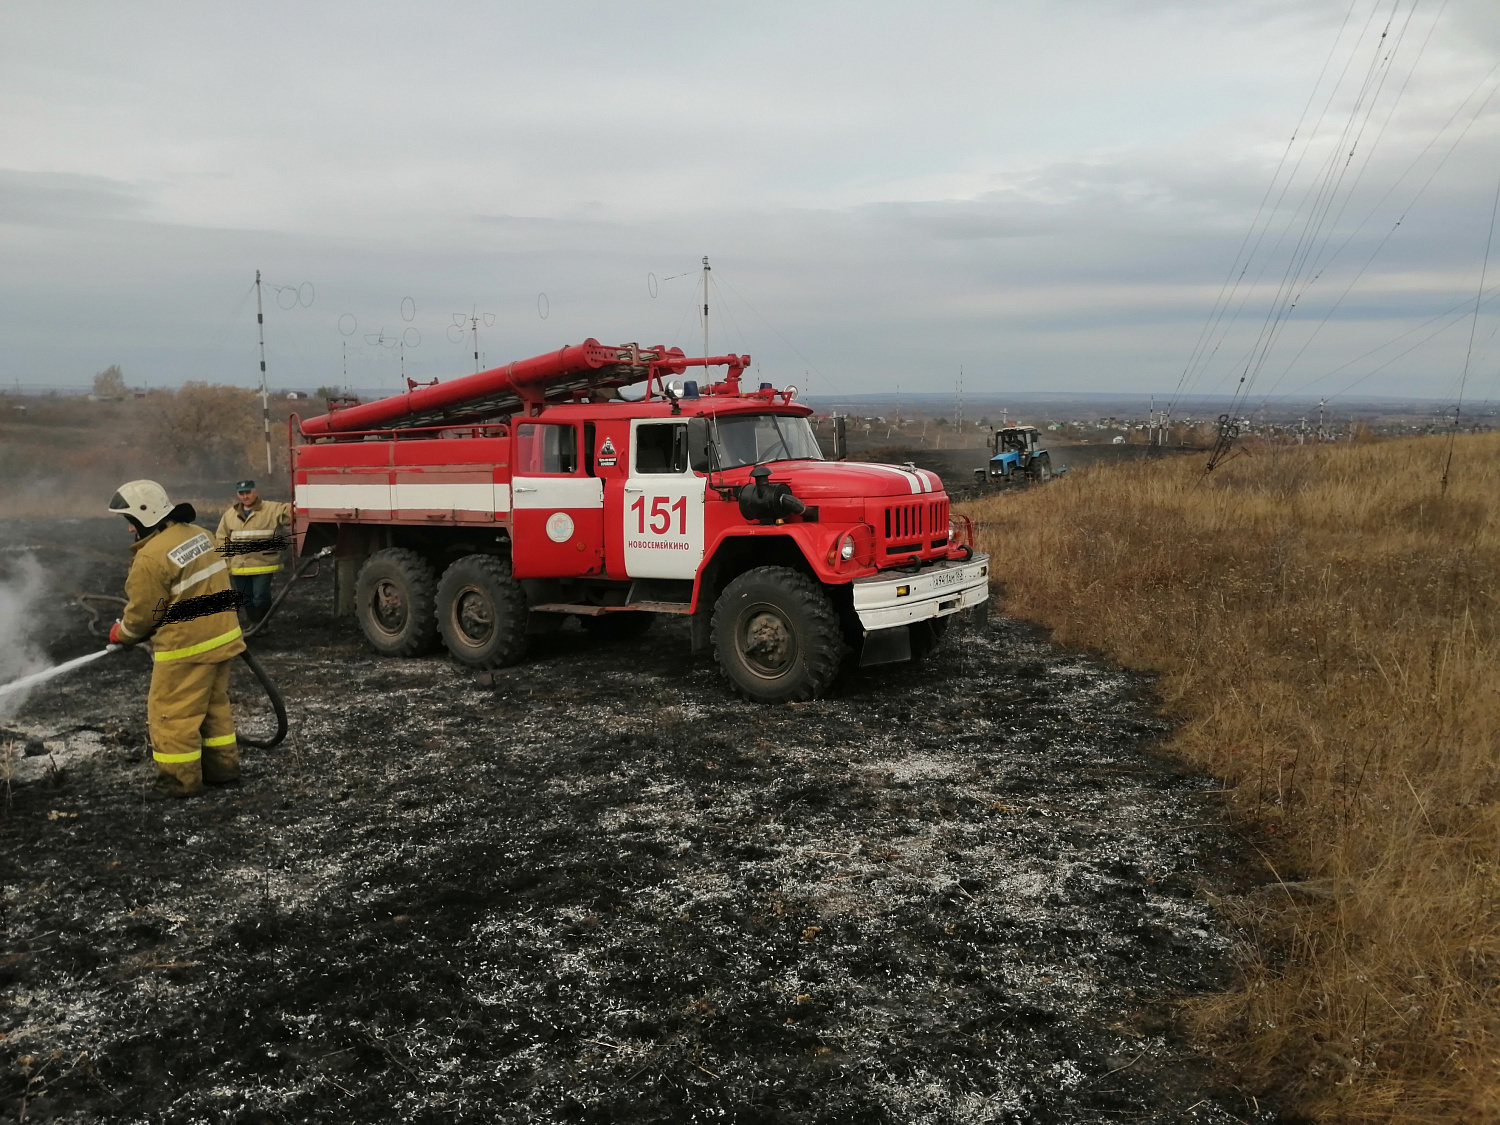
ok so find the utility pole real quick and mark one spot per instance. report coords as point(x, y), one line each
point(960, 426)
point(467, 323)
point(705, 305)
point(265, 409)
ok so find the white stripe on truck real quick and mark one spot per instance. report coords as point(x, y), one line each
point(478, 497)
point(464, 497)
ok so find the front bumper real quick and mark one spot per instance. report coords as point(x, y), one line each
point(885, 602)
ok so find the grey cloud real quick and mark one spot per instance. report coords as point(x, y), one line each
point(960, 220)
point(65, 198)
point(1049, 194)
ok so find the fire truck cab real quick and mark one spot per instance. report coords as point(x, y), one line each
point(480, 512)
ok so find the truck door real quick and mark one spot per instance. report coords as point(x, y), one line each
point(662, 511)
point(557, 504)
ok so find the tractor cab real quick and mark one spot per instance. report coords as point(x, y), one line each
point(1016, 454)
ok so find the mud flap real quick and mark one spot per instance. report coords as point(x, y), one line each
point(702, 628)
point(345, 577)
point(886, 646)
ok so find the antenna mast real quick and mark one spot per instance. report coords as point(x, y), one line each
point(265, 410)
point(960, 426)
point(705, 304)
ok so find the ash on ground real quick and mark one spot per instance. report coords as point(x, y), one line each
point(600, 889)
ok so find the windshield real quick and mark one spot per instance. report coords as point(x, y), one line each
point(750, 439)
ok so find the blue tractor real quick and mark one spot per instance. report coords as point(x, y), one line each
point(1017, 458)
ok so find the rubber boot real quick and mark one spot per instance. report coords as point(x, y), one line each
point(179, 779)
point(221, 764)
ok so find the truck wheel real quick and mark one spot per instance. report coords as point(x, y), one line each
point(777, 636)
point(618, 626)
point(481, 612)
point(926, 636)
point(1040, 468)
point(394, 601)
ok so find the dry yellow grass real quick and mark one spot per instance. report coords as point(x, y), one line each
point(1325, 625)
point(66, 456)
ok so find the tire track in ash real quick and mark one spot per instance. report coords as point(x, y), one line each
point(602, 890)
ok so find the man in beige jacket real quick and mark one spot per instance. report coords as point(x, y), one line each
point(252, 535)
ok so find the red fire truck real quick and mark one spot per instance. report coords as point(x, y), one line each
point(487, 509)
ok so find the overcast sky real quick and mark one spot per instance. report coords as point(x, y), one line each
point(1049, 194)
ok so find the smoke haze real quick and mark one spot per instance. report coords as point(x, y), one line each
point(23, 588)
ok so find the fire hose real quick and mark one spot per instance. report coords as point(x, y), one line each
point(273, 694)
point(287, 589)
point(277, 704)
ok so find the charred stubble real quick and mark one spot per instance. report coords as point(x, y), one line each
point(600, 889)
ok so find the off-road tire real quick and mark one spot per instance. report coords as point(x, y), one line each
point(1040, 468)
point(618, 626)
point(481, 612)
point(926, 636)
point(394, 598)
point(777, 636)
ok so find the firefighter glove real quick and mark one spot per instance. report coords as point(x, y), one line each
point(118, 637)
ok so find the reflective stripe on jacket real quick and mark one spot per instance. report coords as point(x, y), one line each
point(177, 592)
point(238, 531)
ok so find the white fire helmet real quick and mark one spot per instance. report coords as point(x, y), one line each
point(144, 501)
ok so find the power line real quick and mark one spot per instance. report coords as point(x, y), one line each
point(1324, 192)
point(1216, 316)
point(811, 365)
point(1399, 220)
point(1473, 327)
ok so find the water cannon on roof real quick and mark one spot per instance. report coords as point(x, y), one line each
point(573, 373)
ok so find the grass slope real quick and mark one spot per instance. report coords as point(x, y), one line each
point(1324, 623)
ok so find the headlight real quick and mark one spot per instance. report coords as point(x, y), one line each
point(846, 548)
point(952, 531)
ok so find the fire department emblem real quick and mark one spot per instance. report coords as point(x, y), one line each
point(559, 527)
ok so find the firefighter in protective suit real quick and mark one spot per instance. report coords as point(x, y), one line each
point(251, 537)
point(178, 595)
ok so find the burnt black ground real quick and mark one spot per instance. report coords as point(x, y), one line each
point(602, 889)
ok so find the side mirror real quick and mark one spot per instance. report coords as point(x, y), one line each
point(700, 453)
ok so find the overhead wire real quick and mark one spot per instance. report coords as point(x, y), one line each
point(811, 366)
point(1309, 259)
point(1316, 203)
point(693, 301)
point(1216, 312)
point(723, 307)
point(1220, 328)
point(1401, 218)
point(220, 338)
point(1320, 264)
point(1468, 355)
point(1324, 192)
point(1383, 365)
point(1311, 223)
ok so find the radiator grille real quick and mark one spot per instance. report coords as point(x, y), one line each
point(917, 527)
